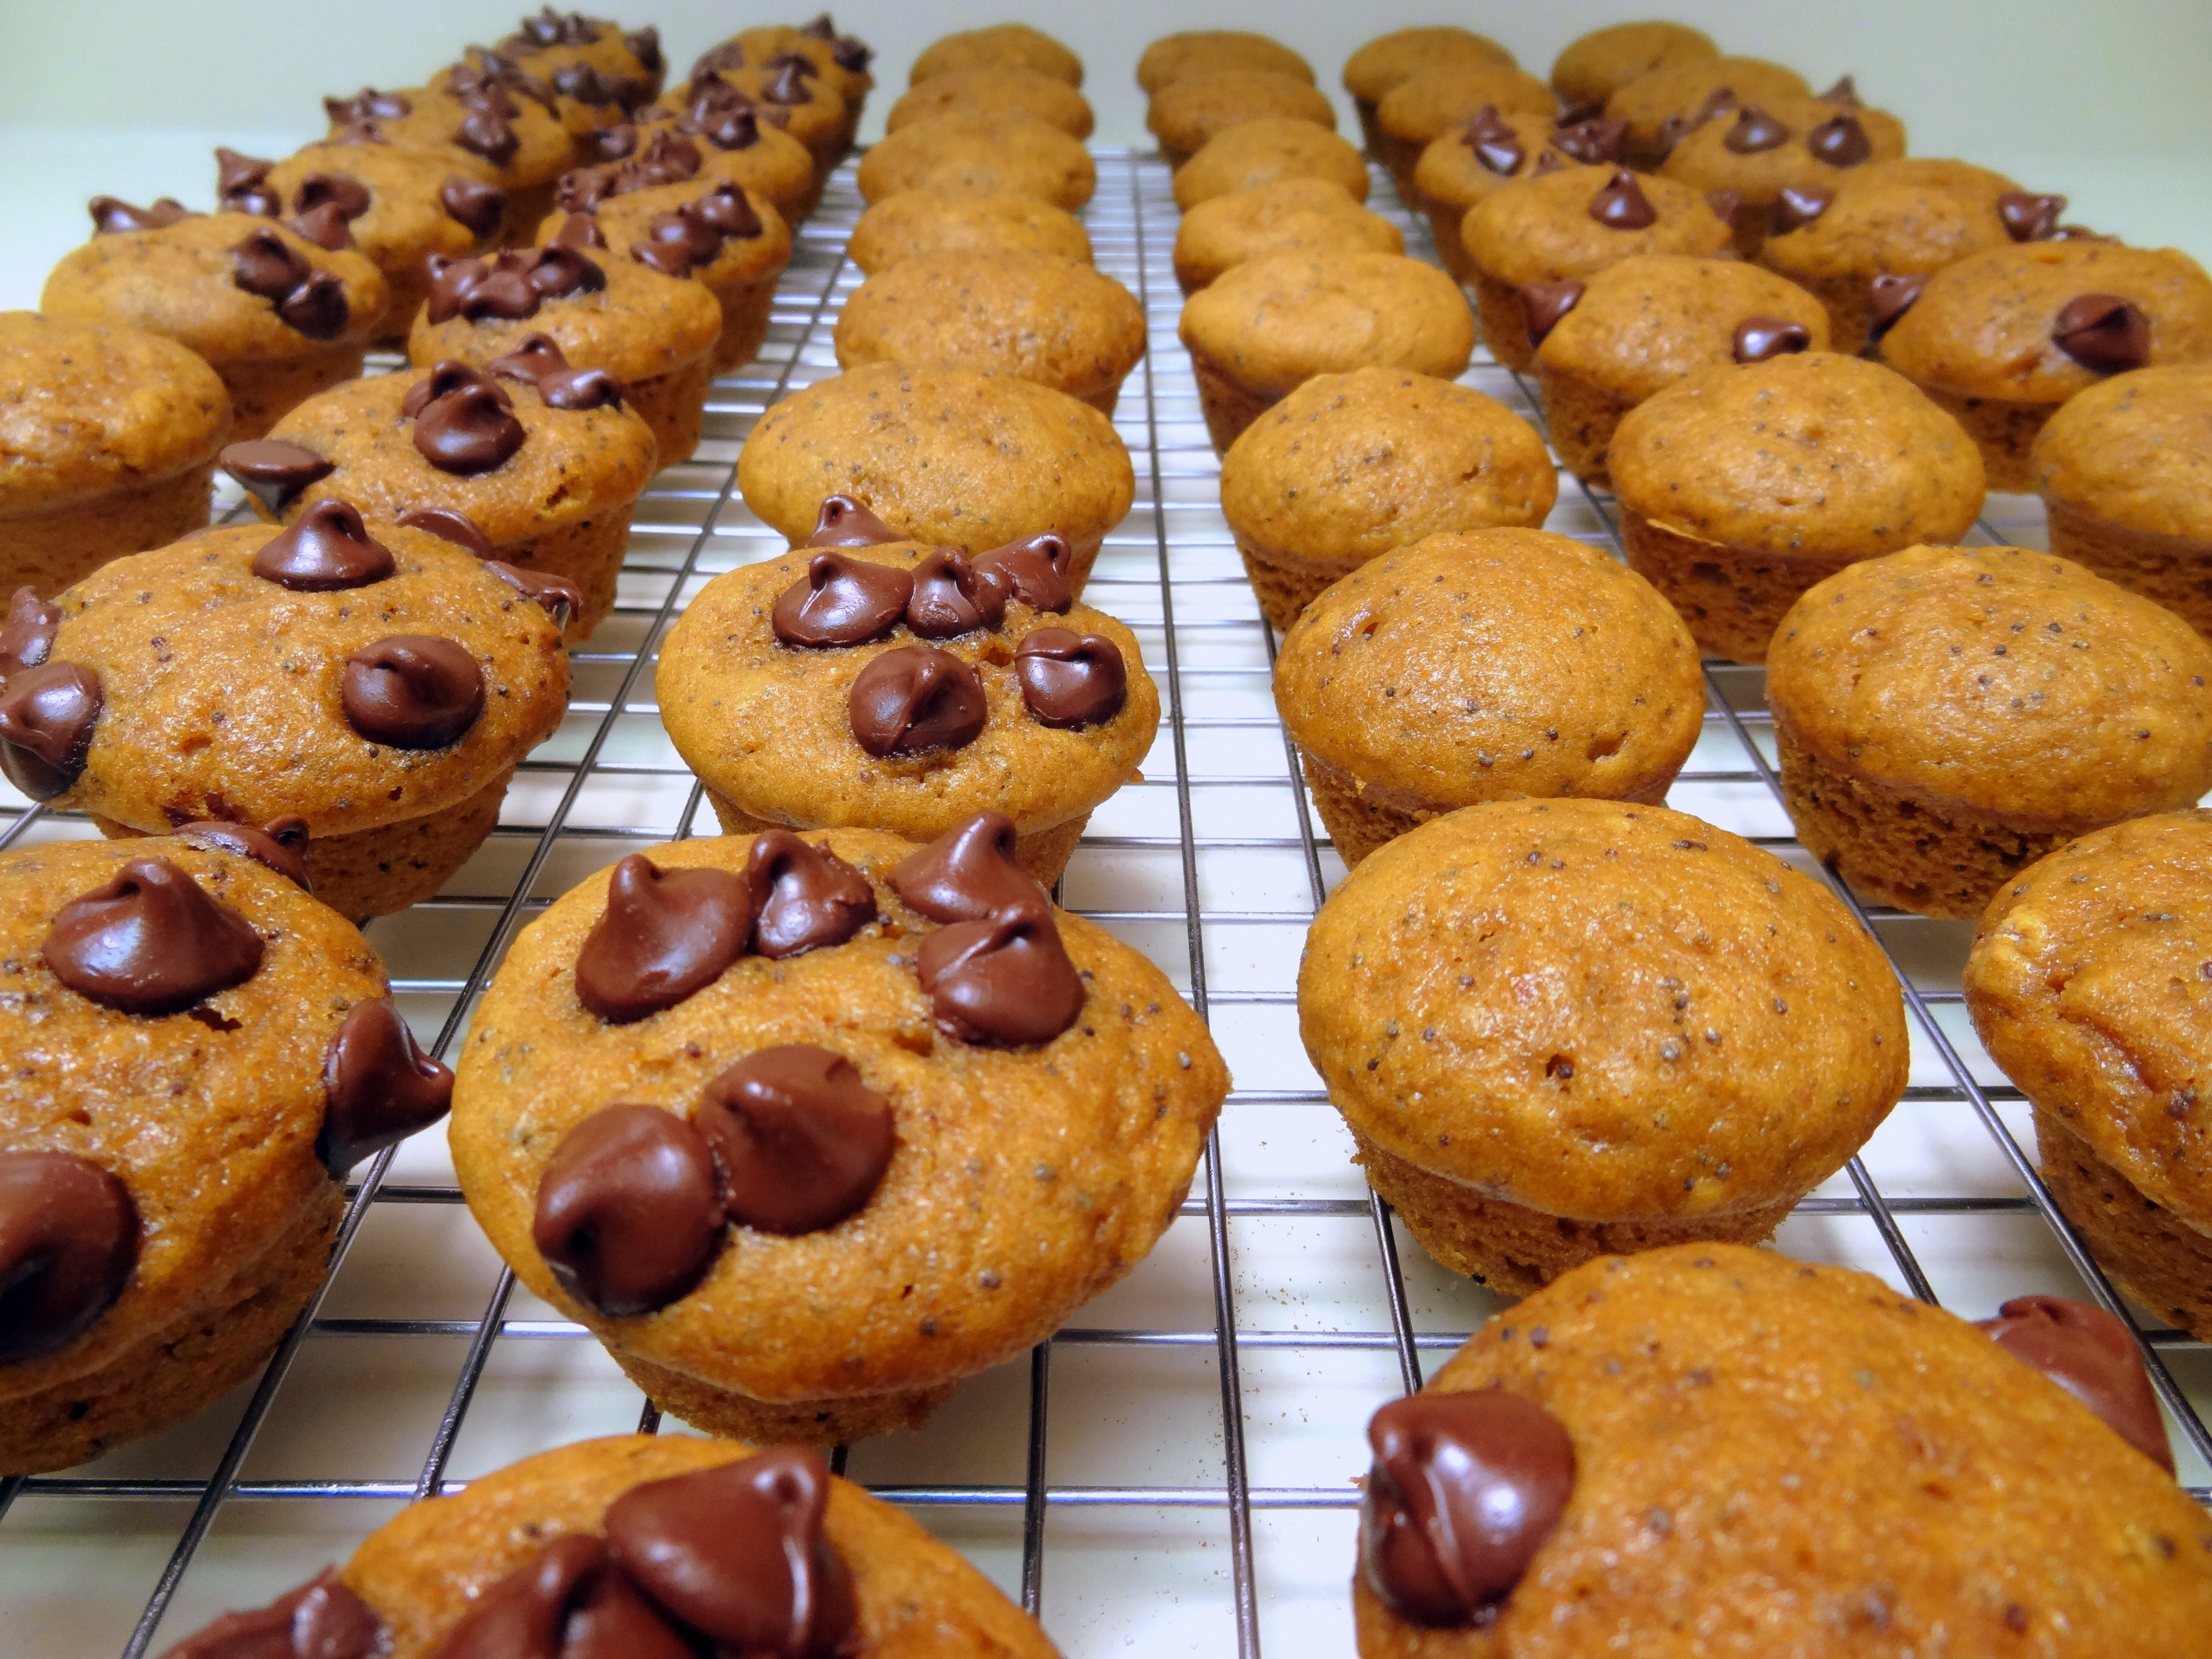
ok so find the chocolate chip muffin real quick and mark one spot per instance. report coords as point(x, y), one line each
point(198, 1052)
point(277, 316)
point(514, 126)
point(1291, 215)
point(1015, 44)
point(814, 49)
point(1802, 146)
point(1690, 1449)
point(1663, 103)
point(1349, 467)
point(806, 1131)
point(1390, 60)
point(924, 221)
point(584, 98)
point(1469, 164)
point(1206, 51)
point(243, 675)
point(807, 107)
point(715, 133)
point(1255, 153)
point(996, 88)
point(1498, 665)
point(1592, 67)
point(900, 687)
point(1744, 484)
point(981, 152)
point(1192, 108)
point(1422, 108)
point(1947, 715)
point(110, 436)
point(552, 42)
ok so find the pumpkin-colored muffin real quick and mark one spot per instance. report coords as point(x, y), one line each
point(1420, 109)
point(1947, 715)
point(804, 105)
point(1206, 51)
point(925, 222)
point(815, 50)
point(1663, 104)
point(1499, 665)
point(992, 89)
point(1190, 110)
point(1291, 215)
point(1563, 1029)
point(1592, 67)
point(1390, 60)
point(552, 42)
point(1012, 45)
point(516, 131)
point(1255, 153)
point(1773, 158)
point(981, 152)
point(1467, 165)
point(717, 134)
point(584, 97)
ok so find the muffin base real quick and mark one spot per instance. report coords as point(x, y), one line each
point(824, 1422)
point(589, 553)
point(2163, 1262)
point(410, 286)
point(1285, 585)
point(264, 392)
point(1044, 853)
point(1445, 219)
point(59, 548)
point(1580, 418)
point(2004, 432)
point(2175, 571)
point(527, 206)
point(1731, 598)
point(1504, 325)
point(1850, 304)
point(674, 405)
point(746, 308)
point(1370, 129)
point(1228, 408)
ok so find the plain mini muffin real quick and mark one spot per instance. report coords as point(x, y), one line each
point(1743, 486)
point(1637, 327)
point(107, 442)
point(926, 222)
point(1349, 467)
point(1192, 109)
point(981, 152)
point(1559, 1029)
point(1205, 51)
point(1033, 316)
point(943, 456)
point(1592, 67)
point(1712, 1445)
point(1255, 153)
point(2125, 470)
point(1947, 715)
point(1390, 60)
point(1420, 109)
point(1269, 326)
point(1014, 44)
point(2002, 338)
point(995, 89)
point(1661, 104)
point(1773, 157)
point(1502, 665)
point(1467, 164)
point(1291, 215)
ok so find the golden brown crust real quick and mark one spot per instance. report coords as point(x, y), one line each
point(544, 147)
point(1449, 173)
point(1259, 152)
point(996, 88)
point(1904, 216)
point(1204, 51)
point(1389, 60)
point(1447, 95)
point(917, 222)
point(405, 223)
point(1594, 66)
point(1539, 227)
point(981, 152)
point(1016, 43)
point(1193, 108)
point(1269, 324)
point(1682, 87)
point(2136, 451)
point(774, 164)
point(1290, 216)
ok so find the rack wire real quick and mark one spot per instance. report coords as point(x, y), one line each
point(1179, 1470)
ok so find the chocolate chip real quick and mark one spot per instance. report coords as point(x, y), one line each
point(339, 190)
point(850, 55)
point(606, 145)
point(1542, 305)
point(587, 85)
point(732, 130)
point(1005, 980)
point(27, 637)
point(1839, 141)
point(559, 271)
point(266, 265)
point(1846, 91)
point(378, 1087)
point(628, 1216)
point(727, 208)
point(805, 897)
point(1727, 205)
point(412, 692)
point(69, 1238)
point(952, 597)
point(448, 524)
point(730, 55)
point(552, 28)
point(366, 105)
point(572, 1601)
point(914, 699)
point(842, 600)
point(1035, 569)
point(1798, 205)
point(1070, 680)
point(578, 389)
point(1675, 128)
point(1754, 131)
point(150, 942)
point(448, 375)
point(2093, 1357)
point(557, 596)
point(1493, 140)
point(799, 1140)
point(468, 432)
point(321, 1620)
point(1622, 204)
point(1889, 297)
point(674, 243)
point(274, 471)
point(967, 873)
point(46, 718)
point(476, 206)
point(2103, 332)
point(112, 217)
point(241, 183)
point(327, 226)
point(1757, 339)
point(645, 45)
point(450, 281)
point(531, 361)
point(665, 934)
point(357, 132)
point(326, 549)
point(280, 845)
point(788, 85)
point(1593, 142)
point(580, 230)
point(317, 308)
point(1463, 1492)
point(844, 522)
point(486, 132)
point(2028, 218)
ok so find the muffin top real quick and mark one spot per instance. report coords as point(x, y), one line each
point(549, 42)
point(1492, 665)
point(1272, 323)
point(2037, 322)
point(2014, 682)
point(517, 135)
point(996, 88)
point(1801, 145)
point(984, 152)
point(1348, 466)
point(728, 140)
point(1301, 215)
point(1255, 153)
point(1602, 1010)
point(1550, 227)
point(234, 287)
point(1811, 453)
point(1015, 44)
point(1896, 217)
point(399, 204)
point(87, 409)
point(1689, 89)
point(947, 457)
point(1468, 163)
point(1448, 95)
point(2136, 450)
point(1204, 51)
point(1646, 322)
point(916, 222)
point(1594, 66)
point(704, 227)
point(1191, 109)
point(1390, 59)
point(805, 106)
point(841, 59)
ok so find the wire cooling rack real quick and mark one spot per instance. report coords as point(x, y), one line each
point(1176, 1474)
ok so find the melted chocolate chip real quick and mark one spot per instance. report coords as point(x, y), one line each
point(476, 206)
point(1889, 298)
point(558, 596)
point(1622, 204)
point(268, 266)
point(531, 361)
point(788, 85)
point(1839, 141)
point(968, 874)
point(150, 942)
point(1754, 131)
point(339, 190)
point(281, 846)
point(799, 1140)
point(606, 145)
point(358, 132)
point(914, 699)
point(675, 243)
point(46, 718)
point(112, 217)
point(727, 209)
point(842, 600)
point(1493, 140)
point(559, 271)
point(2029, 218)
point(1005, 980)
point(1592, 142)
point(321, 1620)
point(448, 375)
point(645, 45)
point(552, 28)
point(379, 1088)
point(317, 308)
point(731, 130)
point(1070, 680)
point(1464, 1491)
point(2093, 1357)
point(587, 85)
point(326, 549)
point(628, 1219)
point(580, 230)
point(1035, 568)
point(69, 1238)
point(1797, 205)
point(241, 183)
point(844, 522)
point(1757, 339)
point(571, 1602)
point(1727, 205)
point(1675, 128)
point(366, 105)
point(448, 524)
point(412, 692)
point(468, 432)
point(578, 389)
point(850, 54)
point(806, 898)
point(327, 226)
point(1542, 305)
point(26, 638)
point(952, 597)
point(486, 132)
point(666, 934)
point(2103, 332)
point(1846, 91)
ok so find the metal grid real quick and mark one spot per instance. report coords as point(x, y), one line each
point(1197, 1485)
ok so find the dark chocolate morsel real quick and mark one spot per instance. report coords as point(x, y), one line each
point(821, 28)
point(952, 597)
point(799, 1141)
point(274, 471)
point(665, 934)
point(268, 266)
point(914, 699)
point(1846, 91)
point(339, 190)
point(1542, 305)
point(732, 130)
point(557, 596)
point(1493, 140)
point(804, 898)
point(2103, 332)
point(559, 271)
point(326, 227)
point(1889, 298)
point(357, 132)
point(967, 873)
point(675, 243)
point(1549, 161)
point(450, 283)
point(412, 692)
point(1754, 131)
point(1798, 205)
point(326, 549)
point(571, 1602)
point(587, 85)
point(1004, 981)
point(317, 308)
point(1622, 204)
point(366, 105)
point(844, 522)
point(321, 1619)
point(1592, 140)
point(1464, 1491)
point(798, 61)
point(606, 145)
point(850, 54)
point(448, 524)
point(726, 209)
point(241, 183)
point(112, 216)
point(2029, 218)
point(447, 375)
point(281, 846)
point(46, 717)
point(378, 1087)
point(1840, 141)
point(1035, 569)
point(27, 637)
point(1675, 128)
point(842, 600)
point(577, 389)
point(580, 230)
point(730, 55)
point(487, 133)
point(1757, 339)
point(628, 1219)
point(468, 432)
point(645, 45)
point(476, 206)
point(504, 293)
point(531, 361)
point(1070, 680)
point(2093, 1357)
point(69, 1238)
point(1726, 204)
point(150, 942)
point(788, 85)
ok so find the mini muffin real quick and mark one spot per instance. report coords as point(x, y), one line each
point(805, 697)
point(1031, 315)
point(815, 49)
point(1191, 109)
point(1663, 104)
point(878, 1162)
point(1417, 111)
point(1497, 665)
point(110, 436)
point(1801, 146)
point(1947, 715)
point(198, 1052)
point(1744, 484)
point(728, 141)
point(1693, 1452)
point(1563, 1029)
point(646, 1545)
point(1015, 46)
point(981, 152)
point(2083, 987)
point(1255, 153)
point(1554, 229)
point(1291, 215)
point(1208, 51)
point(1269, 326)
point(242, 674)
point(1594, 66)
point(2002, 338)
point(1390, 60)
point(2125, 469)
point(1349, 467)
point(1640, 326)
point(520, 135)
point(529, 462)
point(550, 42)
point(584, 98)
point(995, 89)
point(945, 456)
point(790, 95)
point(926, 222)
point(656, 334)
point(277, 317)
point(1466, 164)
